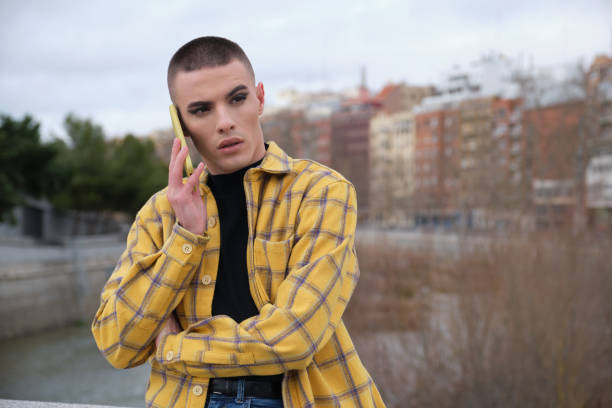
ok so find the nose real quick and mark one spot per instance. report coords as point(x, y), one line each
point(225, 122)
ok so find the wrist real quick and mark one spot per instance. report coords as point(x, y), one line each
point(194, 229)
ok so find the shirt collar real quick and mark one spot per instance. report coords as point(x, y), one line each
point(275, 160)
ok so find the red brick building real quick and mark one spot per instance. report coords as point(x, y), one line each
point(508, 153)
point(350, 144)
point(552, 135)
point(436, 159)
point(317, 139)
point(285, 127)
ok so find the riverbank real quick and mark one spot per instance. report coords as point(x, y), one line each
point(64, 365)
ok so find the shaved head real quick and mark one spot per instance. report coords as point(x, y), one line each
point(205, 52)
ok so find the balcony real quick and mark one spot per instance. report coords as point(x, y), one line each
point(467, 163)
point(553, 192)
point(516, 116)
point(516, 131)
point(499, 130)
point(605, 92)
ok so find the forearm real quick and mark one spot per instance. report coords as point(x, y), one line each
point(282, 337)
point(141, 293)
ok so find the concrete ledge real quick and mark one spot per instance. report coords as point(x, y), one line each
point(42, 404)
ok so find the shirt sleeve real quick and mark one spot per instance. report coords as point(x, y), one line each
point(147, 284)
point(309, 304)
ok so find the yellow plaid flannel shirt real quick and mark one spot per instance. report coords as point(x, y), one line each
point(302, 271)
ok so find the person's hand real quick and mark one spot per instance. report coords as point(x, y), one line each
point(170, 327)
point(185, 198)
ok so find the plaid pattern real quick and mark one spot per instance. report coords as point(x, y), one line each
point(302, 271)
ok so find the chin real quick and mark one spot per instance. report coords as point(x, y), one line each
point(231, 166)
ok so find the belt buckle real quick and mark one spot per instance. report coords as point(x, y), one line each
point(226, 386)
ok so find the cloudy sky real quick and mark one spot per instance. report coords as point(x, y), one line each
point(106, 60)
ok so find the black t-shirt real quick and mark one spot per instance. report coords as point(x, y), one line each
point(232, 295)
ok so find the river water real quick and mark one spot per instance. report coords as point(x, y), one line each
point(64, 365)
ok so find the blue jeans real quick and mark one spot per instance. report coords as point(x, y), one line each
point(240, 401)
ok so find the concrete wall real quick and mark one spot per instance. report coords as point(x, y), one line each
point(46, 287)
point(41, 404)
point(39, 221)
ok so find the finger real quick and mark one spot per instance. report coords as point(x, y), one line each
point(176, 147)
point(177, 168)
point(175, 150)
point(194, 180)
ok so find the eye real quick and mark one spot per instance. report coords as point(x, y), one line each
point(238, 98)
point(199, 110)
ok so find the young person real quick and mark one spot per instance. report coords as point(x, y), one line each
point(234, 281)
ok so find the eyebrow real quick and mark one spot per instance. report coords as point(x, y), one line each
point(207, 103)
point(236, 89)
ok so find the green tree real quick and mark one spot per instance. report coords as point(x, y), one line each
point(107, 175)
point(135, 173)
point(87, 173)
point(26, 165)
point(85, 160)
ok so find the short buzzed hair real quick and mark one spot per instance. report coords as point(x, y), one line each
point(206, 52)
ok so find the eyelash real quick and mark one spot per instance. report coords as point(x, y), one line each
point(235, 99)
point(239, 98)
point(199, 110)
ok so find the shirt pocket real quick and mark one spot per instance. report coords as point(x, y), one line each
point(271, 260)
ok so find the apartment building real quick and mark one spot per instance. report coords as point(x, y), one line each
point(598, 174)
point(350, 144)
point(391, 168)
point(436, 179)
point(554, 134)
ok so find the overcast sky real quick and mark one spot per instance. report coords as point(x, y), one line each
point(107, 60)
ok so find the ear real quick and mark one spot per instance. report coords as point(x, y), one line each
point(259, 92)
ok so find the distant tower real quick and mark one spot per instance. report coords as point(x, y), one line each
point(363, 87)
point(363, 77)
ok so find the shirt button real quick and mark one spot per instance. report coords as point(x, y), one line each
point(197, 390)
point(187, 248)
point(169, 355)
point(206, 279)
point(212, 221)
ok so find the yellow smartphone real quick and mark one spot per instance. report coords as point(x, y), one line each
point(178, 132)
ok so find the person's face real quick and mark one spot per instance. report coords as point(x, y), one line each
point(220, 109)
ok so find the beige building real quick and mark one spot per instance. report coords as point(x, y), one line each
point(402, 97)
point(391, 173)
point(598, 172)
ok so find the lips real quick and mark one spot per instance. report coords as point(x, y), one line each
point(229, 142)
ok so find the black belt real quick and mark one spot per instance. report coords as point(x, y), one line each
point(255, 389)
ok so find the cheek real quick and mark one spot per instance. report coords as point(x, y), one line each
point(252, 115)
point(202, 139)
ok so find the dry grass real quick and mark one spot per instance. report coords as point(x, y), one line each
point(523, 323)
point(390, 294)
